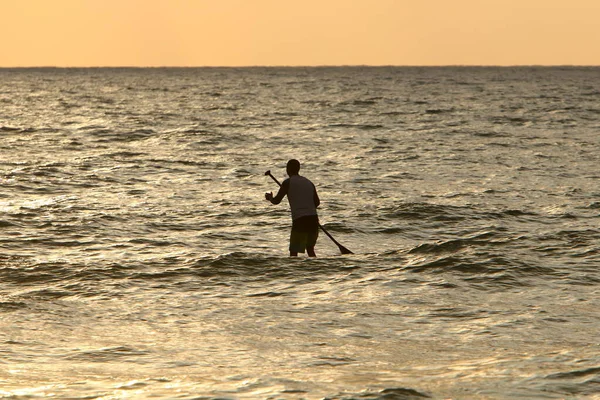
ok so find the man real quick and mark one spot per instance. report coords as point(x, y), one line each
point(303, 199)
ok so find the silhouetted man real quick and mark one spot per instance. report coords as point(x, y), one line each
point(303, 199)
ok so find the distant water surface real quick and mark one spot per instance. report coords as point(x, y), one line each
point(138, 258)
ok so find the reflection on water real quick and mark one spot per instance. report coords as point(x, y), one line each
point(139, 258)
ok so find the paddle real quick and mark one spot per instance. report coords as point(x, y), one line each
point(343, 250)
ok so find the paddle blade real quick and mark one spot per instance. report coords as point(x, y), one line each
point(344, 250)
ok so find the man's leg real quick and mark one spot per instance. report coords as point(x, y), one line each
point(311, 241)
point(296, 240)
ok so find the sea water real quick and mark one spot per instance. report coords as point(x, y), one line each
point(139, 259)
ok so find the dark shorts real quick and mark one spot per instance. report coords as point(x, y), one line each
point(305, 231)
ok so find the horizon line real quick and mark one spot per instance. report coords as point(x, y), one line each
point(308, 66)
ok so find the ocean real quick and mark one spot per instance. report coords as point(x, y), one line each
point(139, 258)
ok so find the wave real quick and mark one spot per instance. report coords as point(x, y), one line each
point(106, 354)
point(439, 111)
point(594, 371)
point(581, 382)
point(8, 305)
point(482, 239)
point(364, 127)
point(410, 211)
point(51, 280)
point(504, 267)
point(9, 129)
point(110, 135)
point(395, 393)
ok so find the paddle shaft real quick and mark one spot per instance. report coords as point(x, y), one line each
point(343, 250)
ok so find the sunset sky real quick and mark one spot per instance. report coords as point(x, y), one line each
point(293, 32)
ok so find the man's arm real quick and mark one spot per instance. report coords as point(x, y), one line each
point(316, 198)
point(283, 191)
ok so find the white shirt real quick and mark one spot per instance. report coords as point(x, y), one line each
point(301, 196)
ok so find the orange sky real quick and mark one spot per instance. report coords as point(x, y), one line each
point(298, 32)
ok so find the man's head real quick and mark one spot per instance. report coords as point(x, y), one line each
point(293, 167)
